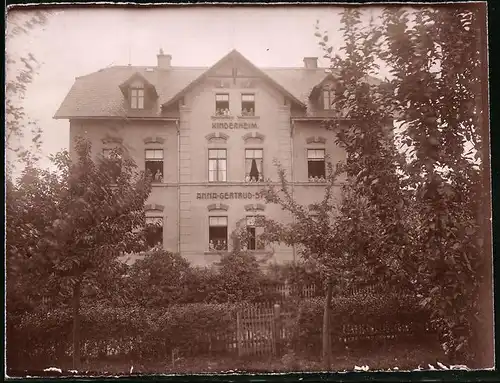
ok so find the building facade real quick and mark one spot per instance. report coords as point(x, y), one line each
point(210, 137)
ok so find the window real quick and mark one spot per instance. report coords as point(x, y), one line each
point(222, 104)
point(114, 157)
point(253, 232)
point(107, 153)
point(154, 164)
point(137, 98)
point(217, 165)
point(154, 231)
point(316, 164)
point(217, 233)
point(314, 216)
point(253, 165)
point(327, 99)
point(248, 105)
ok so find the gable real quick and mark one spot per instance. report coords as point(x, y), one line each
point(136, 84)
point(138, 81)
point(234, 69)
point(328, 82)
point(233, 73)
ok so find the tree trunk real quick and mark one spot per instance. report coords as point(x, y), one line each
point(326, 326)
point(76, 325)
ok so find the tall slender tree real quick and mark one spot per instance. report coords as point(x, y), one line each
point(68, 230)
point(315, 233)
point(436, 56)
point(437, 94)
point(372, 163)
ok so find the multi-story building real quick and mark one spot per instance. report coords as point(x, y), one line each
point(209, 136)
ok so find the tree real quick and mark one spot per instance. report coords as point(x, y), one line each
point(437, 92)
point(375, 202)
point(314, 230)
point(437, 66)
point(20, 72)
point(30, 209)
point(72, 227)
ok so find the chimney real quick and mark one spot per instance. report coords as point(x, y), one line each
point(311, 62)
point(164, 61)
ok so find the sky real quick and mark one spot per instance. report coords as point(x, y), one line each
point(78, 41)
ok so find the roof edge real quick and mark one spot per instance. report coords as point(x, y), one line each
point(179, 94)
point(159, 118)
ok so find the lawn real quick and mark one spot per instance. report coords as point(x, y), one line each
point(402, 356)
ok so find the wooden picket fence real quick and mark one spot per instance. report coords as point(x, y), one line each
point(258, 330)
point(285, 290)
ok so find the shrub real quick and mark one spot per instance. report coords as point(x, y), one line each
point(132, 331)
point(194, 328)
point(357, 318)
point(239, 277)
point(202, 285)
point(298, 275)
point(158, 279)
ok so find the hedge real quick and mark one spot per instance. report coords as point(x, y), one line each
point(133, 332)
point(358, 319)
point(136, 333)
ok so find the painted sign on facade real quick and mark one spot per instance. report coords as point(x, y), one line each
point(228, 195)
point(234, 125)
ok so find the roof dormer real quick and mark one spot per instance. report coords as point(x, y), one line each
point(139, 92)
point(322, 95)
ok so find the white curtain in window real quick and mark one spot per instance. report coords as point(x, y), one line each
point(259, 166)
point(248, 166)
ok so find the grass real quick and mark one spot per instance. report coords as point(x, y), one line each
point(404, 356)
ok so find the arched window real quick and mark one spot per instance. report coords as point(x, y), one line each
point(154, 225)
point(254, 231)
point(254, 165)
point(217, 233)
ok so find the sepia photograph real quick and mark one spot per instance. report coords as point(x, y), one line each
point(247, 189)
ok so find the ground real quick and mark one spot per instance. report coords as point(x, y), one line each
point(402, 356)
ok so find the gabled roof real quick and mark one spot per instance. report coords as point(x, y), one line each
point(99, 94)
point(299, 81)
point(234, 54)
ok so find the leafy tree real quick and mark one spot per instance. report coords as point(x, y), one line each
point(314, 231)
point(67, 230)
point(30, 208)
point(20, 72)
point(375, 202)
point(437, 66)
point(433, 200)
